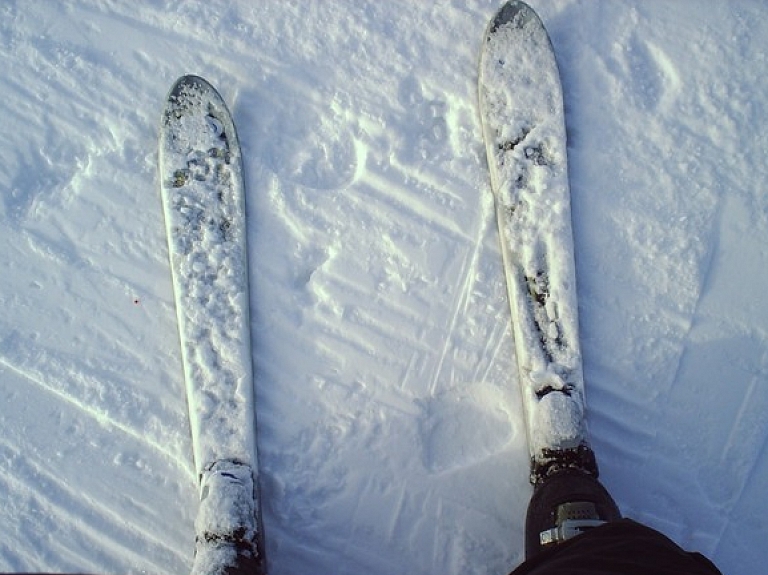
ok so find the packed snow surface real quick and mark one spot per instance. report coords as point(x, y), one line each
point(391, 432)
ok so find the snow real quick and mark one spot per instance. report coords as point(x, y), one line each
point(391, 432)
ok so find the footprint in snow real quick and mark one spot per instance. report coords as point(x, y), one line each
point(309, 144)
point(424, 125)
point(464, 426)
point(654, 76)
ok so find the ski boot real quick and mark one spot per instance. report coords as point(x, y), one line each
point(227, 533)
point(565, 504)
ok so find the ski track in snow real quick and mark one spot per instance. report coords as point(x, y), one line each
point(391, 434)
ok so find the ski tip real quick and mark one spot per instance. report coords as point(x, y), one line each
point(190, 81)
point(193, 96)
point(192, 89)
point(515, 12)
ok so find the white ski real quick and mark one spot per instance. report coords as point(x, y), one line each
point(203, 194)
point(521, 107)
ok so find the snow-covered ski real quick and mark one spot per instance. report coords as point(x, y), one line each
point(203, 195)
point(521, 107)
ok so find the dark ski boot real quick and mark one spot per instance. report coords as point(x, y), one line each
point(566, 504)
